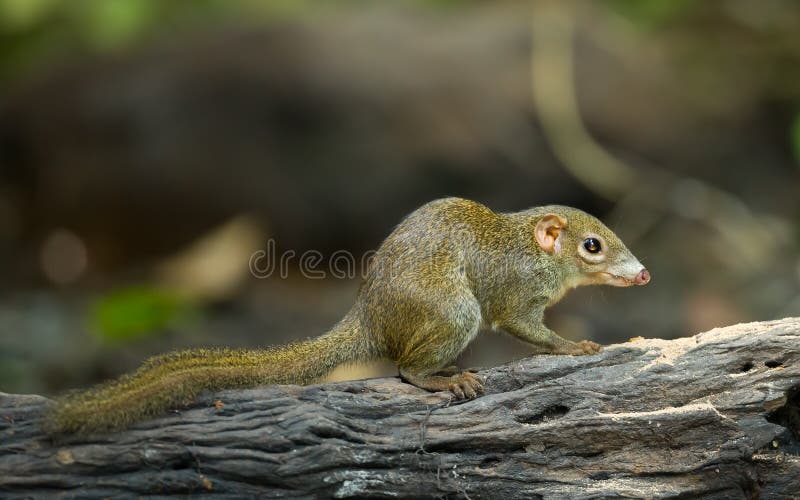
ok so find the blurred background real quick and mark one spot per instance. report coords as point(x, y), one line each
point(148, 148)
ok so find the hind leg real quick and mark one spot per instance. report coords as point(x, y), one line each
point(455, 370)
point(440, 340)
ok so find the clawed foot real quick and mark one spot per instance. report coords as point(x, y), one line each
point(585, 347)
point(464, 385)
point(467, 385)
point(581, 348)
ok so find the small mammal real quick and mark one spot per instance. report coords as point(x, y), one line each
point(447, 268)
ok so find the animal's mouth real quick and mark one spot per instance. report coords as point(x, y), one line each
point(641, 278)
point(615, 279)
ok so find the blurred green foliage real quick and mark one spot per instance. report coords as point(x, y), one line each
point(650, 14)
point(39, 31)
point(36, 31)
point(137, 312)
point(795, 138)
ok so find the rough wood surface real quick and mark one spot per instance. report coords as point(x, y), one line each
point(716, 415)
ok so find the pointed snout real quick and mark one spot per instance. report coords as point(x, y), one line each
point(642, 278)
point(628, 273)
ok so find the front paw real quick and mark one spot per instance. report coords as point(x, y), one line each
point(585, 347)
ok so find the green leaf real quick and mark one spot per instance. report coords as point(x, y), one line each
point(136, 312)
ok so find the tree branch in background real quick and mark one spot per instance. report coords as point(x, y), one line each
point(751, 239)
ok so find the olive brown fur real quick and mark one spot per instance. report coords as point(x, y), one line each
point(448, 268)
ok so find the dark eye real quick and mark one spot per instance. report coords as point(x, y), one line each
point(591, 245)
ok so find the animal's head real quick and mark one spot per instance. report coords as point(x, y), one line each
point(592, 254)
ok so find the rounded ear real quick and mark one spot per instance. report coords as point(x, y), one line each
point(547, 231)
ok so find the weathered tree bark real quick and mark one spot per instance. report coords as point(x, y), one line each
point(716, 415)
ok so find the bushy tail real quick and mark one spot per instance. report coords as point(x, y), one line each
point(170, 380)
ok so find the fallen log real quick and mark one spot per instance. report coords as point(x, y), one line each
point(716, 415)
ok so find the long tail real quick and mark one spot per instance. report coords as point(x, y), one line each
point(170, 380)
